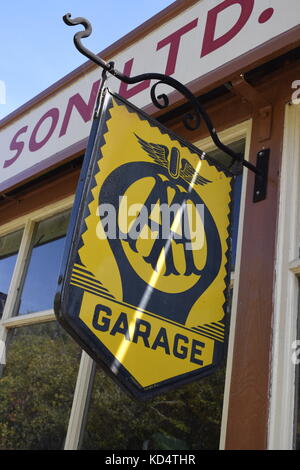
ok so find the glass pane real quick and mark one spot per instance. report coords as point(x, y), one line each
point(43, 268)
point(37, 387)
point(188, 418)
point(9, 247)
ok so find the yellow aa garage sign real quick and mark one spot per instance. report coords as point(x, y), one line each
point(146, 271)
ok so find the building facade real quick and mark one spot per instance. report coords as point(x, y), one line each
point(242, 59)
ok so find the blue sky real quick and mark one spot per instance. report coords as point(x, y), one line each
point(37, 47)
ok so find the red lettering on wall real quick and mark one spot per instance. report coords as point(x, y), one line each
point(84, 109)
point(210, 43)
point(16, 145)
point(135, 89)
point(174, 41)
point(53, 114)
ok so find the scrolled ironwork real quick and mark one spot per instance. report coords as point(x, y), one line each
point(160, 101)
point(191, 120)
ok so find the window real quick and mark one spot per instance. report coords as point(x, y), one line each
point(39, 364)
point(284, 410)
point(37, 386)
point(187, 418)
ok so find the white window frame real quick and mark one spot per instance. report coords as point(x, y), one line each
point(286, 290)
point(8, 321)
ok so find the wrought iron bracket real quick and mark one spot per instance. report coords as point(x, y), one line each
point(191, 121)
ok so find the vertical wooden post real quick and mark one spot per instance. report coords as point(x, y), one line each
point(248, 407)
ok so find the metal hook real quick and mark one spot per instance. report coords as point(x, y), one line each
point(85, 34)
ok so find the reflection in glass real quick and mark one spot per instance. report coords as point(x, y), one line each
point(43, 268)
point(188, 418)
point(9, 247)
point(37, 387)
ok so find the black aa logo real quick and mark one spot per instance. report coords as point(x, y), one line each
point(137, 290)
point(177, 210)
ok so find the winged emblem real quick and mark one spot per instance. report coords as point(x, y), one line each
point(171, 160)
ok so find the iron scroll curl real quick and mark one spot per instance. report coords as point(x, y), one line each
point(191, 121)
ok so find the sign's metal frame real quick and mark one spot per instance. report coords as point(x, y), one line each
point(67, 307)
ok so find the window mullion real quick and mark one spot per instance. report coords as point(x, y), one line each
point(29, 319)
point(18, 274)
point(14, 288)
point(81, 400)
